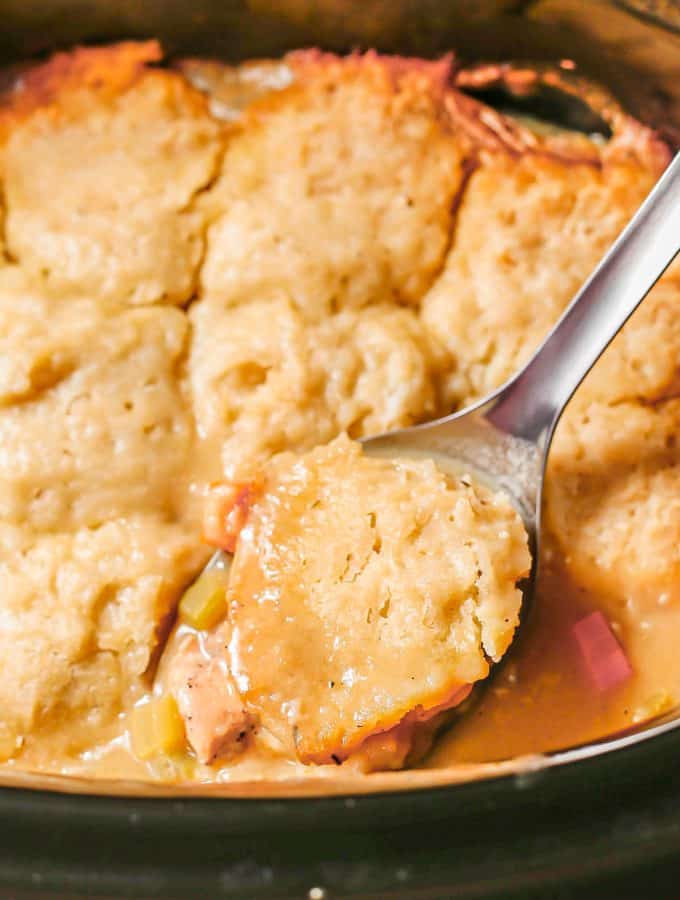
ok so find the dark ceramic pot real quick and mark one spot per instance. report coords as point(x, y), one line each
point(603, 821)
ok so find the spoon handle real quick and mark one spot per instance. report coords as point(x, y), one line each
point(530, 405)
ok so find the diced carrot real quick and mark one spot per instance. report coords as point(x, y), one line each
point(607, 664)
point(225, 514)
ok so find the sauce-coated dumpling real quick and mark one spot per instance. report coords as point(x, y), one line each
point(365, 589)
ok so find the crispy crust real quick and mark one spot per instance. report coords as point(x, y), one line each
point(435, 76)
point(631, 140)
point(113, 69)
point(413, 80)
point(107, 70)
point(391, 725)
point(486, 129)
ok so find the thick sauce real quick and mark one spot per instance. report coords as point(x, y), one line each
point(540, 700)
point(543, 700)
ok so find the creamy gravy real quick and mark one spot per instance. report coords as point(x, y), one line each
point(543, 700)
point(540, 701)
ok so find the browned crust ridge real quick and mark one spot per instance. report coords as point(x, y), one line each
point(111, 70)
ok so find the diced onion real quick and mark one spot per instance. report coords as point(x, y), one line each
point(607, 664)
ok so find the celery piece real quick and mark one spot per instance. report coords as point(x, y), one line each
point(205, 602)
point(157, 727)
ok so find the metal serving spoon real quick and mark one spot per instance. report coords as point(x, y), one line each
point(505, 439)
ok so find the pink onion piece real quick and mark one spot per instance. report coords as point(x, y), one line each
point(607, 664)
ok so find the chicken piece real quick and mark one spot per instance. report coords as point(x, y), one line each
point(217, 724)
